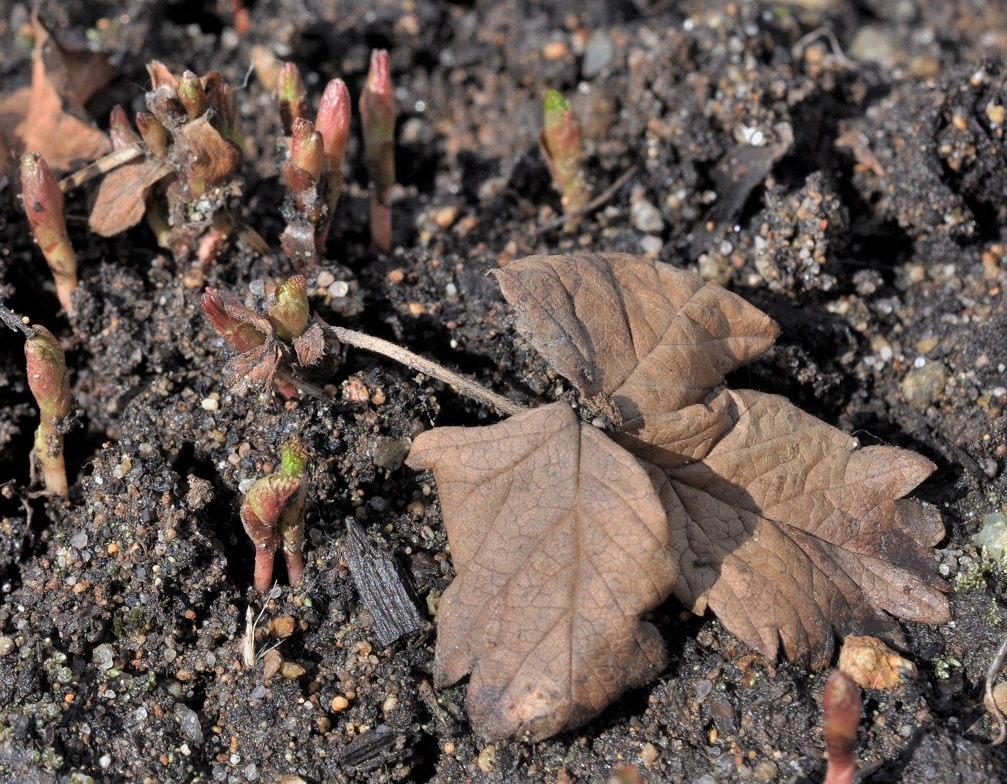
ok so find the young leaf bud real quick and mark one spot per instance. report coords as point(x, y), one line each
point(153, 133)
point(192, 96)
point(291, 313)
point(120, 130)
point(841, 709)
point(306, 148)
point(292, 96)
point(43, 202)
point(377, 114)
point(260, 515)
point(333, 123)
point(294, 462)
point(563, 151)
point(47, 379)
point(227, 120)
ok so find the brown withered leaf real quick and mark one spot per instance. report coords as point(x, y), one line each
point(559, 544)
point(122, 195)
point(789, 532)
point(778, 522)
point(209, 154)
point(48, 117)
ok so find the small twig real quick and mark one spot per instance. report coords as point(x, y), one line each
point(799, 48)
point(592, 205)
point(15, 322)
point(421, 365)
point(103, 165)
point(991, 705)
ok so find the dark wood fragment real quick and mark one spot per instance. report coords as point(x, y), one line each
point(384, 589)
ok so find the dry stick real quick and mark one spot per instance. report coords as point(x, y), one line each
point(421, 365)
point(103, 165)
point(991, 704)
point(592, 205)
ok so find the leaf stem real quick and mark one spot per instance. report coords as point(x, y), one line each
point(421, 365)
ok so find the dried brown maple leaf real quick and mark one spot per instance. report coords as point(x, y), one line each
point(788, 531)
point(48, 117)
point(559, 545)
point(778, 522)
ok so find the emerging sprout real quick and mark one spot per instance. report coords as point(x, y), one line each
point(260, 515)
point(841, 709)
point(377, 114)
point(563, 150)
point(47, 379)
point(313, 171)
point(43, 203)
point(264, 342)
point(292, 96)
point(273, 515)
point(333, 123)
point(294, 462)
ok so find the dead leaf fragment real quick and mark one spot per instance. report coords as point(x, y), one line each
point(787, 530)
point(48, 117)
point(653, 337)
point(559, 544)
point(122, 195)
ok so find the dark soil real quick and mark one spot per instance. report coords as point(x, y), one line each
point(876, 240)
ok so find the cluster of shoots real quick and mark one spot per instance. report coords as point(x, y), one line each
point(841, 717)
point(45, 366)
point(43, 203)
point(191, 139)
point(265, 343)
point(313, 167)
point(272, 513)
point(562, 147)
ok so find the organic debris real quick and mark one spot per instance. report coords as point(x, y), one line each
point(779, 523)
point(48, 117)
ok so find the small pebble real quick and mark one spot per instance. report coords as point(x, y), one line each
point(924, 383)
point(282, 626)
point(6, 645)
point(487, 759)
point(598, 54)
point(271, 663)
point(873, 664)
point(339, 703)
point(325, 279)
point(290, 670)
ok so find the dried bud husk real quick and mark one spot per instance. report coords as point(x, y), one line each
point(260, 515)
point(192, 96)
point(377, 114)
point(292, 96)
point(291, 312)
point(47, 379)
point(563, 150)
point(43, 202)
point(160, 76)
point(841, 717)
point(219, 307)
